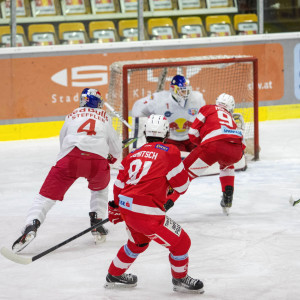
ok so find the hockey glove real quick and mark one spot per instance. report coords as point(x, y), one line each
point(111, 159)
point(168, 205)
point(173, 196)
point(114, 214)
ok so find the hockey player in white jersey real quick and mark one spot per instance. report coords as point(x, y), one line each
point(180, 106)
point(88, 143)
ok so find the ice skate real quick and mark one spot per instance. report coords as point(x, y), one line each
point(187, 285)
point(227, 197)
point(124, 280)
point(100, 232)
point(27, 237)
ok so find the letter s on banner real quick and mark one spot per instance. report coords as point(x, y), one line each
point(81, 75)
point(77, 76)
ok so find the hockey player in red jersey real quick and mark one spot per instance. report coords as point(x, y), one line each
point(88, 143)
point(219, 140)
point(140, 199)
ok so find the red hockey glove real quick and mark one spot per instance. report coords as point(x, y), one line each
point(111, 159)
point(114, 215)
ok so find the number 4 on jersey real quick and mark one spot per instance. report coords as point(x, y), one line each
point(88, 127)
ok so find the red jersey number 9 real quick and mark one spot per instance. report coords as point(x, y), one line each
point(225, 118)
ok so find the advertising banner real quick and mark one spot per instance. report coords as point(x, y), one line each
point(39, 87)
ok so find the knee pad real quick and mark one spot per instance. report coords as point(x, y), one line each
point(183, 245)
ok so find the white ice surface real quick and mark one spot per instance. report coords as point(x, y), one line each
point(253, 254)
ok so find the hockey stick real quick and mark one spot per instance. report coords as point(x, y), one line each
point(136, 130)
point(27, 260)
point(129, 141)
point(117, 115)
point(292, 202)
point(162, 79)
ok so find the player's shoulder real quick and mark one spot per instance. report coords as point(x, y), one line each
point(168, 148)
point(196, 93)
point(208, 107)
point(161, 94)
point(159, 147)
point(196, 97)
point(207, 110)
point(76, 110)
point(73, 113)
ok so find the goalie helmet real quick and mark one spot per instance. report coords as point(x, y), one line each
point(157, 126)
point(180, 89)
point(226, 101)
point(91, 98)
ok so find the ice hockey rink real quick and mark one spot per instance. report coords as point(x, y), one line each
point(252, 254)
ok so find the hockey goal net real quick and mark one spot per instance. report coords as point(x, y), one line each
point(211, 75)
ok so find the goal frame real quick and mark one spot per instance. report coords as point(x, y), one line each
point(131, 66)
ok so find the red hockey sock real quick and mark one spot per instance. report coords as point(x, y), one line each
point(178, 256)
point(179, 265)
point(226, 180)
point(125, 257)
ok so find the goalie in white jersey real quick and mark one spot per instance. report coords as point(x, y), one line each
point(180, 106)
point(88, 143)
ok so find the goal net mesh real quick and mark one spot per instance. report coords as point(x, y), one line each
point(210, 75)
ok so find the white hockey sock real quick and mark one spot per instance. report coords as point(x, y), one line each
point(99, 201)
point(39, 209)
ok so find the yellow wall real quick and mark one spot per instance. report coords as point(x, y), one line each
point(49, 129)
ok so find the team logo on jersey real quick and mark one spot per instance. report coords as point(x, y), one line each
point(180, 125)
point(125, 202)
point(192, 111)
point(162, 147)
point(168, 114)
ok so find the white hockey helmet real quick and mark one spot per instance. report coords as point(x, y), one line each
point(226, 101)
point(157, 126)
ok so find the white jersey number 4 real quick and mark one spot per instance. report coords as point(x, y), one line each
point(88, 126)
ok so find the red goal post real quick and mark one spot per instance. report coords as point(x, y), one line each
point(211, 75)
